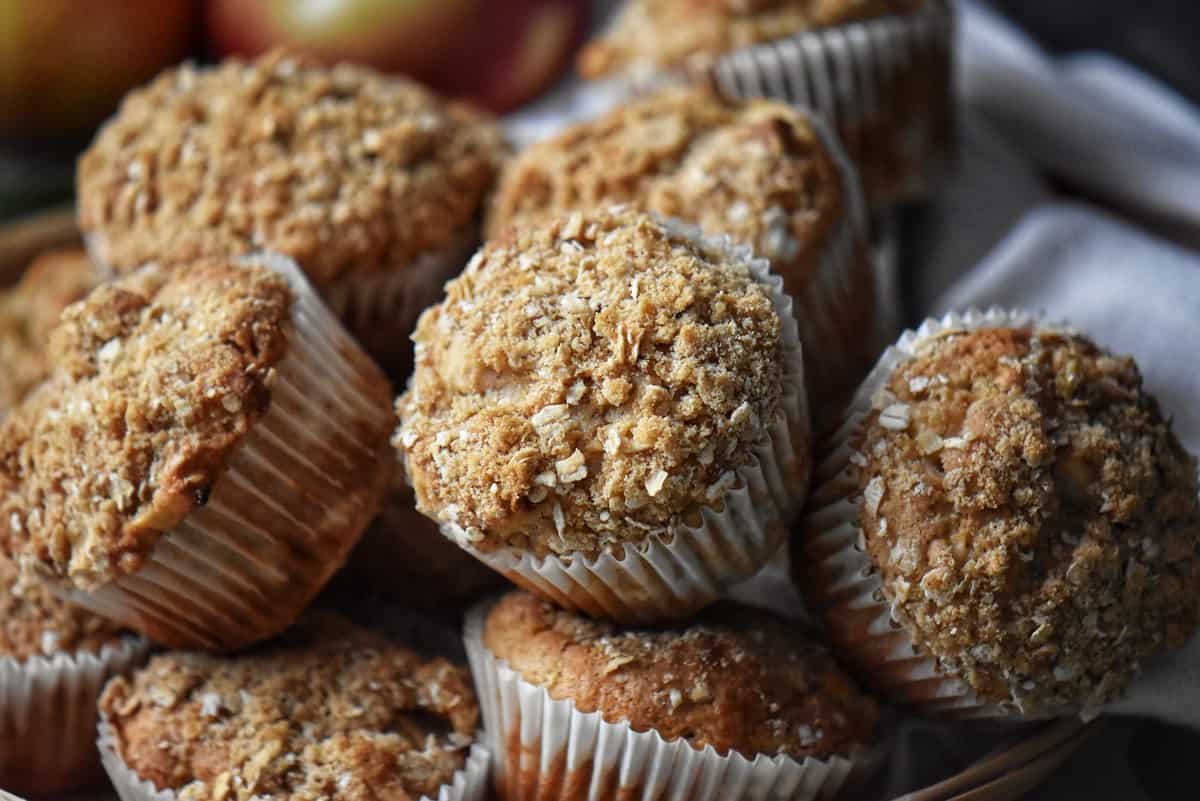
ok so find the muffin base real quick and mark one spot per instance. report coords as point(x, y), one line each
point(469, 784)
point(843, 587)
point(665, 577)
point(548, 749)
point(297, 494)
point(48, 716)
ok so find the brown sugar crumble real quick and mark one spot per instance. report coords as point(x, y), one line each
point(588, 382)
point(1033, 516)
point(735, 679)
point(329, 710)
point(157, 378)
point(756, 171)
point(35, 622)
point(674, 34)
point(29, 310)
point(340, 168)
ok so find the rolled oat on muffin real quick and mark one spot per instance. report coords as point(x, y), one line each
point(372, 184)
point(878, 71)
point(1006, 526)
point(766, 174)
point(733, 700)
point(209, 448)
point(29, 310)
point(610, 410)
point(54, 661)
point(329, 710)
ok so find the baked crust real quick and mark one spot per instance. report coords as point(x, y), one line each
point(736, 679)
point(588, 382)
point(36, 622)
point(1033, 516)
point(340, 168)
point(329, 710)
point(674, 34)
point(158, 377)
point(29, 310)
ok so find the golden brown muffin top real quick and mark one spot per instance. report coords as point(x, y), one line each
point(587, 382)
point(756, 171)
point(36, 622)
point(340, 168)
point(673, 34)
point(53, 281)
point(736, 678)
point(157, 379)
point(329, 710)
point(1034, 518)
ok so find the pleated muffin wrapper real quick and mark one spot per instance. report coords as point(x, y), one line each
point(48, 715)
point(842, 585)
point(548, 749)
point(884, 84)
point(470, 783)
point(671, 575)
point(297, 493)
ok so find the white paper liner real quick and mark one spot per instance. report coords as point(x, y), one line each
point(852, 74)
point(283, 517)
point(845, 589)
point(671, 576)
point(547, 749)
point(48, 715)
point(469, 784)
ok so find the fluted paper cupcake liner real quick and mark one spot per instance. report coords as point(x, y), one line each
point(548, 749)
point(883, 83)
point(843, 586)
point(672, 575)
point(48, 716)
point(469, 783)
point(296, 495)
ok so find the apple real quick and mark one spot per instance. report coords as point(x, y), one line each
point(64, 65)
point(498, 54)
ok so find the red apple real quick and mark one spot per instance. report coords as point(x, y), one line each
point(496, 53)
point(64, 64)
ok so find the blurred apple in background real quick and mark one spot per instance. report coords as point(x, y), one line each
point(499, 53)
point(64, 64)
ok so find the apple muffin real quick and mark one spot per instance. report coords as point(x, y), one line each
point(209, 447)
point(606, 395)
point(1008, 525)
point(736, 684)
point(53, 281)
point(328, 710)
point(372, 184)
point(762, 172)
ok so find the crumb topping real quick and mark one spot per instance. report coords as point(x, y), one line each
point(35, 622)
point(588, 382)
point(736, 679)
point(756, 171)
point(1033, 516)
point(329, 710)
point(340, 168)
point(157, 378)
point(53, 281)
point(672, 34)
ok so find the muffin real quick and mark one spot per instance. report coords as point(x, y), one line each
point(734, 698)
point(877, 70)
point(610, 410)
point(53, 281)
point(1007, 525)
point(371, 183)
point(54, 660)
point(209, 447)
point(404, 559)
point(330, 710)
point(762, 172)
